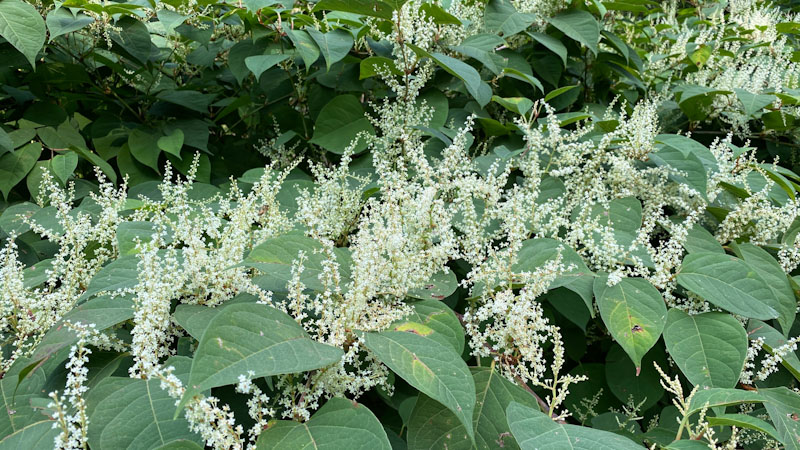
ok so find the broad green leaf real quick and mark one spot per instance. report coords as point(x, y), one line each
point(556, 92)
point(129, 232)
point(39, 435)
point(304, 45)
point(535, 430)
point(134, 37)
point(108, 171)
point(23, 27)
point(61, 21)
point(434, 369)
point(783, 406)
point(194, 100)
point(730, 283)
point(334, 44)
point(103, 312)
point(432, 426)
point(699, 240)
point(121, 273)
point(633, 312)
point(695, 101)
point(439, 287)
point(753, 103)
point(339, 424)
point(172, 143)
point(552, 44)
point(12, 221)
point(580, 26)
point(143, 145)
point(479, 90)
point(435, 320)
point(170, 19)
point(372, 8)
point(6, 143)
point(133, 413)
point(519, 105)
point(253, 337)
point(686, 146)
point(339, 123)
point(626, 382)
point(16, 411)
point(261, 63)
point(14, 166)
point(500, 16)
point(709, 348)
point(275, 256)
point(373, 65)
point(64, 164)
point(686, 168)
point(744, 421)
point(771, 272)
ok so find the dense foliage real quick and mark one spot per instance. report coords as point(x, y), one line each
point(399, 224)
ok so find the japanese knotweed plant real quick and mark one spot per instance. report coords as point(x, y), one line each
point(380, 224)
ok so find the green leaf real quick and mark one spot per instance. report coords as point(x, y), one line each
point(771, 272)
point(97, 161)
point(14, 166)
point(334, 44)
point(62, 21)
point(753, 103)
point(535, 430)
point(687, 168)
point(370, 8)
point(6, 143)
point(519, 105)
point(129, 232)
point(23, 27)
point(64, 164)
point(709, 348)
point(339, 424)
point(434, 369)
point(37, 435)
point(552, 44)
point(580, 26)
point(275, 256)
point(371, 66)
point(634, 313)
point(439, 287)
point(432, 426)
point(556, 92)
point(435, 320)
point(783, 406)
point(170, 19)
point(261, 63)
point(744, 421)
point(305, 46)
point(172, 143)
point(194, 100)
point(16, 411)
point(479, 90)
point(121, 273)
point(500, 16)
point(134, 37)
point(144, 147)
point(728, 282)
point(134, 413)
point(104, 312)
point(253, 337)
point(339, 122)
